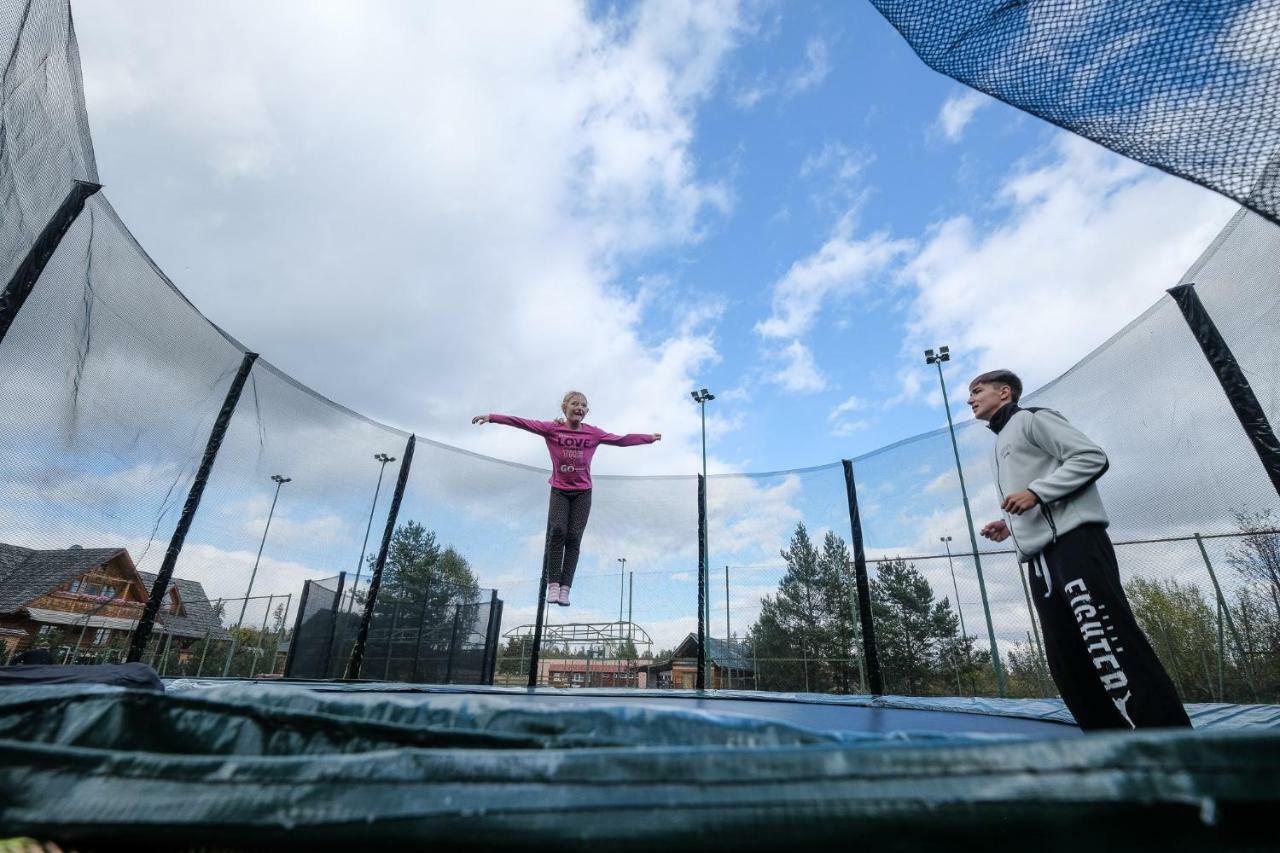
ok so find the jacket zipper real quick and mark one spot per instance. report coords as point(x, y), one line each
point(1000, 491)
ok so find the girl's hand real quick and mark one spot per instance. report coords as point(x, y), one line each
point(480, 419)
point(657, 436)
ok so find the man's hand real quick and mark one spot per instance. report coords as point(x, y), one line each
point(480, 419)
point(1020, 502)
point(996, 531)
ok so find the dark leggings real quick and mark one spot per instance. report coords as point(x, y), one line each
point(566, 519)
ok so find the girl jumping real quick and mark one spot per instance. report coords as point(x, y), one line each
point(572, 444)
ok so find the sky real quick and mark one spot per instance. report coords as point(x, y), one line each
point(430, 211)
point(426, 212)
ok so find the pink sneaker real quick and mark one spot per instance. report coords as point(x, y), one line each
point(553, 593)
point(563, 600)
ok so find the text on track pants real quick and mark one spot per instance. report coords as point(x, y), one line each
point(1105, 669)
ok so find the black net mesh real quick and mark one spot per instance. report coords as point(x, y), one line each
point(1191, 88)
point(787, 603)
point(637, 569)
point(446, 635)
point(44, 132)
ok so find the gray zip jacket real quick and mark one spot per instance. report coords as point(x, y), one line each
point(1038, 449)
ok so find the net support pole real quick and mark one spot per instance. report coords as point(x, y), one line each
point(701, 679)
point(142, 632)
point(870, 653)
point(490, 639)
point(453, 644)
point(28, 272)
point(391, 636)
point(1232, 379)
point(422, 625)
point(536, 648)
point(297, 631)
point(335, 615)
point(402, 480)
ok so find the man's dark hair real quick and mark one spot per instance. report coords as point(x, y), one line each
point(1001, 377)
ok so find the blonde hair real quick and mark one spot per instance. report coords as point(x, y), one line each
point(569, 395)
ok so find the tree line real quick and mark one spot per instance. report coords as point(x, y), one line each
point(808, 637)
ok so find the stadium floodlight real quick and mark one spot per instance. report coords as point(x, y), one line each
point(944, 354)
point(279, 480)
point(364, 546)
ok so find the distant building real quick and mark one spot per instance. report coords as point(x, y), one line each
point(91, 597)
point(591, 672)
point(730, 668)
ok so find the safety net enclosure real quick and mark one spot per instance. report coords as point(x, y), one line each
point(168, 496)
point(252, 766)
point(1191, 88)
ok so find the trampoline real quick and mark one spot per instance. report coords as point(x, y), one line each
point(245, 765)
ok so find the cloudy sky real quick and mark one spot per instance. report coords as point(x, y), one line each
point(425, 211)
point(429, 211)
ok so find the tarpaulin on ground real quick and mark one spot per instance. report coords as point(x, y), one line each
point(267, 765)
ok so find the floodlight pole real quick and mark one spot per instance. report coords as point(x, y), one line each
point(944, 354)
point(946, 540)
point(384, 459)
point(702, 397)
point(622, 586)
point(728, 630)
point(235, 636)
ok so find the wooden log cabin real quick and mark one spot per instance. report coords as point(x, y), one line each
point(90, 598)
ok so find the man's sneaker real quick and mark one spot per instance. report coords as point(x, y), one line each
point(563, 600)
point(553, 593)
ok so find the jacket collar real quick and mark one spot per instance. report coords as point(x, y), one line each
point(1002, 416)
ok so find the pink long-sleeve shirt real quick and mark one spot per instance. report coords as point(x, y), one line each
point(571, 449)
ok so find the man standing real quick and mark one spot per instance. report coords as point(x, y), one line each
point(1046, 472)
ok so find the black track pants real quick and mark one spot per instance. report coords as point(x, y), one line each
point(1105, 669)
point(566, 519)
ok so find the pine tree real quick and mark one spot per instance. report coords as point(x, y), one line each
point(918, 637)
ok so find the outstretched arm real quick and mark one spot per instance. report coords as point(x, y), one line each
point(527, 424)
point(631, 439)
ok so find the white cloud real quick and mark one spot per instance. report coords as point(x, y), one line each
point(798, 372)
point(841, 424)
point(957, 111)
point(816, 68)
point(841, 267)
point(836, 160)
point(810, 74)
point(355, 170)
point(1087, 242)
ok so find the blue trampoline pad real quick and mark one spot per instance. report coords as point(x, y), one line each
point(844, 714)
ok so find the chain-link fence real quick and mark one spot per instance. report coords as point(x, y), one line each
point(163, 491)
point(1209, 604)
